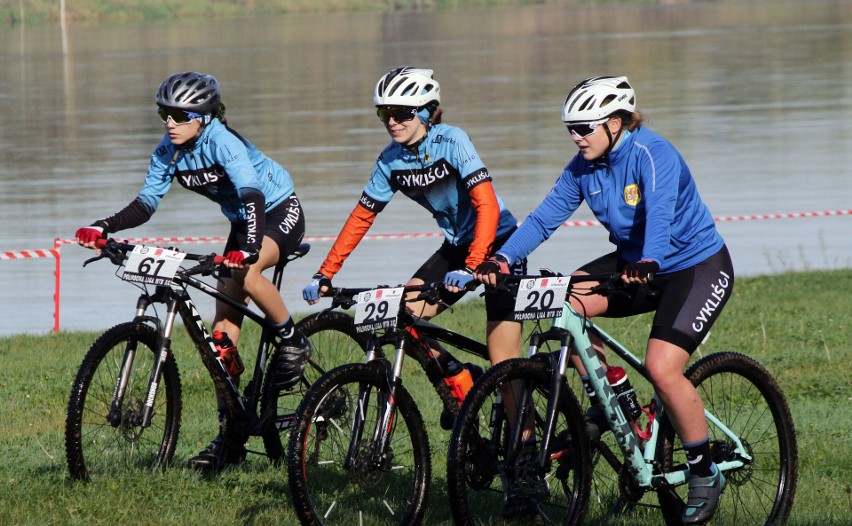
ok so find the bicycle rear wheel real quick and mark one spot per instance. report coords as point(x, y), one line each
point(100, 441)
point(337, 473)
point(748, 400)
point(334, 341)
point(478, 474)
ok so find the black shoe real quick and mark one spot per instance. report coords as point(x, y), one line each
point(289, 362)
point(217, 455)
point(596, 423)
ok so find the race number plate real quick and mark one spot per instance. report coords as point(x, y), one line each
point(152, 265)
point(540, 298)
point(377, 309)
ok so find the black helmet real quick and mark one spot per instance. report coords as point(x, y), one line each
point(190, 91)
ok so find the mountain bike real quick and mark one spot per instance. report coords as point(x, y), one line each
point(124, 410)
point(359, 452)
point(752, 434)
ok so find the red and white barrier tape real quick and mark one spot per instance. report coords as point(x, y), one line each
point(57, 243)
point(29, 254)
point(53, 253)
point(793, 215)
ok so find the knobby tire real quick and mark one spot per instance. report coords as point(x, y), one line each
point(747, 399)
point(97, 445)
point(476, 466)
point(381, 491)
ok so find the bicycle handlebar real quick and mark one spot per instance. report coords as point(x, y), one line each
point(116, 251)
point(606, 282)
point(346, 297)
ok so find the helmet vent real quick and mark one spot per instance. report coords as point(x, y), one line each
point(598, 97)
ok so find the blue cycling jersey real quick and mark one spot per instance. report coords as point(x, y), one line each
point(220, 165)
point(645, 197)
point(439, 176)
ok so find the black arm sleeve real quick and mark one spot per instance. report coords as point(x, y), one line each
point(255, 205)
point(130, 216)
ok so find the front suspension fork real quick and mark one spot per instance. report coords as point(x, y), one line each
point(161, 353)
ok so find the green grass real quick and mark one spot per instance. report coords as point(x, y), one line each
point(796, 324)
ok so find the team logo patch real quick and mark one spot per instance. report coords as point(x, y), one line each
point(631, 195)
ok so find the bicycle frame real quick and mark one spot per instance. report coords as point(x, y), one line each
point(575, 331)
point(420, 331)
point(176, 298)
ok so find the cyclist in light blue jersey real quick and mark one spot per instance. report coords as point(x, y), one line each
point(668, 251)
point(256, 194)
point(437, 166)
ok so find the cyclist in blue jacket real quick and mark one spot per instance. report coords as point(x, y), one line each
point(255, 194)
point(668, 251)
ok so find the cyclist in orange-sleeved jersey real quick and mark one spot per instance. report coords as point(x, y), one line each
point(437, 166)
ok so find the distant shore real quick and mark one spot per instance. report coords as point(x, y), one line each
point(48, 12)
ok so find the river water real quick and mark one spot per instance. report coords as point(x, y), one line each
point(756, 95)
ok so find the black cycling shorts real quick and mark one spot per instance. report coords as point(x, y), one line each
point(687, 302)
point(285, 224)
point(499, 305)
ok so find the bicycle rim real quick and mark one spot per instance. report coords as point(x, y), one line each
point(329, 485)
point(747, 399)
point(98, 443)
point(478, 473)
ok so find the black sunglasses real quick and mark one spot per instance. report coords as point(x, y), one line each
point(177, 115)
point(583, 129)
point(397, 114)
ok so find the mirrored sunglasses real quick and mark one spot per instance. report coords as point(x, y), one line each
point(397, 114)
point(177, 116)
point(581, 130)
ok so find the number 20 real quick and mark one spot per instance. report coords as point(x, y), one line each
point(540, 301)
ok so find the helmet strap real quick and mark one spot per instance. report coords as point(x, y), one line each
point(414, 147)
point(612, 140)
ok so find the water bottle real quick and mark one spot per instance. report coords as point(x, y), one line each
point(228, 353)
point(459, 379)
point(624, 392)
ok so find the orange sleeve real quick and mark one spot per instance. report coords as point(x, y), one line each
point(360, 220)
point(487, 217)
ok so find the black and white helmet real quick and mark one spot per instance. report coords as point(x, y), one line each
point(407, 86)
point(597, 98)
point(190, 91)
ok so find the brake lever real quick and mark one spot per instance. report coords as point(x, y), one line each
point(96, 258)
point(431, 296)
point(110, 251)
point(549, 273)
point(208, 266)
point(605, 287)
point(339, 300)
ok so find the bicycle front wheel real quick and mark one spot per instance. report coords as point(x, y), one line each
point(334, 342)
point(102, 439)
point(746, 398)
point(350, 463)
point(483, 485)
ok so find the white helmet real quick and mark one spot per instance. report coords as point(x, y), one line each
point(598, 97)
point(407, 86)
